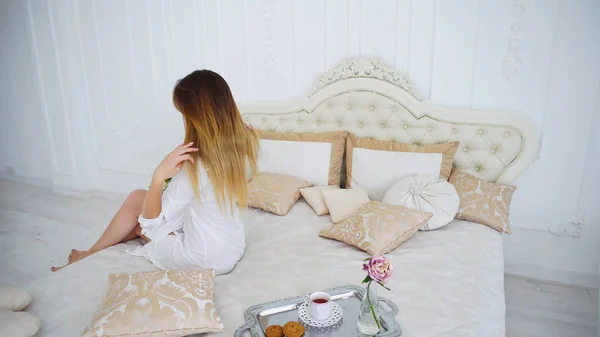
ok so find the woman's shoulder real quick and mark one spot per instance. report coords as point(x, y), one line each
point(184, 174)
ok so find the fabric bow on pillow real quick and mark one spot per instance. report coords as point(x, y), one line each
point(427, 194)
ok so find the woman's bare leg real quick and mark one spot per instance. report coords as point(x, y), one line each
point(121, 228)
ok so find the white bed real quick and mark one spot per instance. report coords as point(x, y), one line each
point(449, 282)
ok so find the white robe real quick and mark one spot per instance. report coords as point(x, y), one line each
point(204, 236)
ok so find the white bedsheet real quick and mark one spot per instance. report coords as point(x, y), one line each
point(448, 282)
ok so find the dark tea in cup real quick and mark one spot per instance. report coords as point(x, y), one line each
point(320, 300)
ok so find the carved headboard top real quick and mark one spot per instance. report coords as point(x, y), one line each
point(371, 100)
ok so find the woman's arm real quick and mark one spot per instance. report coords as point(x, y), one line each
point(153, 202)
point(168, 168)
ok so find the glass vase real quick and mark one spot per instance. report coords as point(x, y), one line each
point(368, 317)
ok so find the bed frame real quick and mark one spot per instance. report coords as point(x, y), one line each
point(372, 100)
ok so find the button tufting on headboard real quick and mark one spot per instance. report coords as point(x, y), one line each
point(493, 145)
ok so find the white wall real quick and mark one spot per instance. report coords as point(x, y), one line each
point(24, 137)
point(86, 103)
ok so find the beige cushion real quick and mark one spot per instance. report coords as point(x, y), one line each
point(13, 298)
point(342, 203)
point(157, 303)
point(483, 201)
point(313, 196)
point(448, 150)
point(275, 193)
point(378, 228)
point(314, 157)
point(18, 324)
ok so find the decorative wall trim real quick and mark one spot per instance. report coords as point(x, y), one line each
point(550, 275)
point(171, 61)
point(100, 62)
point(63, 97)
point(152, 58)
point(204, 30)
point(247, 52)
point(366, 68)
point(570, 228)
point(269, 63)
point(475, 55)
point(115, 125)
point(40, 76)
point(167, 41)
point(512, 63)
point(195, 32)
point(86, 84)
point(325, 23)
point(398, 49)
point(220, 38)
point(354, 30)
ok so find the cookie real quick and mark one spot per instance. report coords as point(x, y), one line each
point(293, 329)
point(274, 331)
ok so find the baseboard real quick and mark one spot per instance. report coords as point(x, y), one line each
point(26, 180)
point(71, 192)
point(550, 275)
point(85, 194)
point(114, 196)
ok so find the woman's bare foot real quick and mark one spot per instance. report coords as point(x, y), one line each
point(75, 256)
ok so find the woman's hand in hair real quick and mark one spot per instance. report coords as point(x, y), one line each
point(173, 162)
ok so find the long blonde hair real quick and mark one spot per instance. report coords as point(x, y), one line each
point(214, 124)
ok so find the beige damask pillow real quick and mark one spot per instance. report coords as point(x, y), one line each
point(483, 201)
point(275, 193)
point(157, 303)
point(378, 228)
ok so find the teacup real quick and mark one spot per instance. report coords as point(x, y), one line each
point(319, 305)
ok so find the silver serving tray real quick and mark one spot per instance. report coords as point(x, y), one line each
point(259, 317)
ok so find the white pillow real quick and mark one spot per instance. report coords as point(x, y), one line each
point(375, 170)
point(314, 198)
point(426, 194)
point(314, 157)
point(290, 158)
point(18, 324)
point(344, 203)
point(13, 298)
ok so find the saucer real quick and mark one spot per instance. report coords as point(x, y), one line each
point(336, 315)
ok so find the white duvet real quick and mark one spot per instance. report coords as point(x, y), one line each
point(448, 282)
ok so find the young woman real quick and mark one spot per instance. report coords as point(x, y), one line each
point(195, 222)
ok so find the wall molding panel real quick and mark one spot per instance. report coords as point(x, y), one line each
point(269, 62)
point(85, 81)
point(40, 77)
point(512, 63)
point(105, 71)
point(61, 86)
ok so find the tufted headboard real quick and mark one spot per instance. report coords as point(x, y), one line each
point(371, 100)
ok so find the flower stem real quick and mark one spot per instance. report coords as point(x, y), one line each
point(371, 305)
